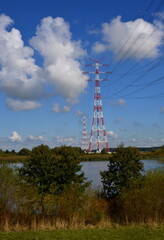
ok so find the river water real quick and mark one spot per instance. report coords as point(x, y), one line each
point(92, 170)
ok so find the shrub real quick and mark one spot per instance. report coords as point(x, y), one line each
point(143, 201)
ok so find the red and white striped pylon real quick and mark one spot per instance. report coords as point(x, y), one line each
point(98, 136)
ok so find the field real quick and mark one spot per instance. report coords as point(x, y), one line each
point(12, 159)
point(120, 233)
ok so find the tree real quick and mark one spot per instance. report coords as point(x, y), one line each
point(59, 150)
point(13, 151)
point(123, 168)
point(24, 152)
point(104, 151)
point(51, 174)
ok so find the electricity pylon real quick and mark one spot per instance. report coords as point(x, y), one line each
point(98, 136)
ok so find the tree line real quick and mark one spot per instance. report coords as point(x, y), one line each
point(26, 152)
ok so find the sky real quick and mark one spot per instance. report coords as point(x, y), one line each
point(44, 92)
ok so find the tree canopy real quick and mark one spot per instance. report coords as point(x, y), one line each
point(123, 168)
point(52, 173)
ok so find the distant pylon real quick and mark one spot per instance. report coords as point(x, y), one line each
point(98, 136)
point(85, 135)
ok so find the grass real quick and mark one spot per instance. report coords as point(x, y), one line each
point(9, 158)
point(121, 233)
point(12, 159)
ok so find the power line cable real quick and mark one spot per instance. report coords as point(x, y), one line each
point(122, 61)
point(146, 86)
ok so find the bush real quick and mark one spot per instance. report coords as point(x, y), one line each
point(143, 201)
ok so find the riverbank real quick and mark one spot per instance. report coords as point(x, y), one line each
point(120, 233)
point(82, 158)
point(12, 159)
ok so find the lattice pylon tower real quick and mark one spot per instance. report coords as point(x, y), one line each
point(98, 137)
point(85, 135)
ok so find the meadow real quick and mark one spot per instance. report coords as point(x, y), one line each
point(120, 233)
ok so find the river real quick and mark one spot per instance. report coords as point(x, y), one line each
point(92, 169)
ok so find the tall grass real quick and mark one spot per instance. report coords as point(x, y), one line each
point(143, 202)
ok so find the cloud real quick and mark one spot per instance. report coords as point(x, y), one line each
point(66, 109)
point(36, 138)
point(112, 134)
point(20, 77)
point(59, 140)
point(15, 137)
point(23, 81)
point(56, 108)
point(99, 47)
point(54, 42)
point(160, 15)
point(133, 39)
point(135, 140)
point(119, 102)
point(162, 110)
point(79, 113)
point(18, 105)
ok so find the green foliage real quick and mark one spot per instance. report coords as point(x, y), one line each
point(123, 168)
point(24, 152)
point(1, 151)
point(143, 202)
point(13, 151)
point(103, 151)
point(51, 174)
point(74, 206)
point(7, 186)
point(59, 150)
point(160, 151)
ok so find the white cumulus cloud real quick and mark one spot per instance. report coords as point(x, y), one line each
point(112, 134)
point(15, 137)
point(59, 140)
point(133, 39)
point(54, 42)
point(56, 108)
point(23, 81)
point(99, 47)
point(119, 102)
point(36, 138)
point(79, 113)
point(18, 105)
point(20, 77)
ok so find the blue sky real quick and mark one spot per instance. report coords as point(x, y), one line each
point(44, 46)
